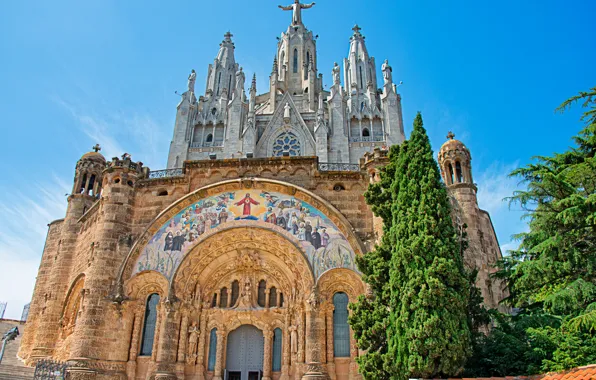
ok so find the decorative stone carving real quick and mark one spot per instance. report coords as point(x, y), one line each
point(193, 338)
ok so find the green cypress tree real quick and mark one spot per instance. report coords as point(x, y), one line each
point(428, 334)
point(414, 322)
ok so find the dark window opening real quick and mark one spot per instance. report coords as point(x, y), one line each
point(209, 138)
point(458, 172)
point(223, 298)
point(365, 132)
point(83, 184)
point(261, 293)
point(273, 297)
point(162, 193)
point(149, 325)
point(214, 300)
point(295, 66)
point(235, 291)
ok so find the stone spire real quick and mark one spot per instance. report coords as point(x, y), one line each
point(221, 78)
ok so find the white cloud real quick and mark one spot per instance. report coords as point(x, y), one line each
point(23, 227)
point(494, 185)
point(117, 132)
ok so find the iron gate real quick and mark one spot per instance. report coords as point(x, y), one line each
point(50, 370)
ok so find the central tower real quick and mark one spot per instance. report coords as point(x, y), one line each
point(296, 116)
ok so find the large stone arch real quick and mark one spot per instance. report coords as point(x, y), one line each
point(347, 244)
point(226, 252)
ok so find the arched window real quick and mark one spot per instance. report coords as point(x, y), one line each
point(295, 65)
point(91, 184)
point(83, 183)
point(281, 299)
point(149, 325)
point(307, 65)
point(365, 132)
point(451, 176)
point(218, 82)
point(261, 293)
point(209, 138)
point(276, 361)
point(214, 300)
point(458, 172)
point(273, 297)
point(230, 87)
point(286, 142)
point(341, 330)
point(235, 291)
point(212, 350)
point(223, 298)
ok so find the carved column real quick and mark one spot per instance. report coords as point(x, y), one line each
point(183, 338)
point(353, 371)
point(314, 325)
point(268, 340)
point(168, 340)
point(217, 373)
point(131, 366)
point(285, 350)
point(267, 295)
point(330, 348)
point(200, 366)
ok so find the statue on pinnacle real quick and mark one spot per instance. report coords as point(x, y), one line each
point(296, 9)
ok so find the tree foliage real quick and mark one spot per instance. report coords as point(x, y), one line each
point(552, 275)
point(415, 322)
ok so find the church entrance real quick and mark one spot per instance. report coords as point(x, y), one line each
point(244, 357)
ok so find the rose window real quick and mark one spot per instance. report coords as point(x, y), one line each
point(286, 142)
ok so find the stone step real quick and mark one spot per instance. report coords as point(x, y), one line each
point(8, 372)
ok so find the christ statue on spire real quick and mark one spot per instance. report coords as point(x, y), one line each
point(296, 9)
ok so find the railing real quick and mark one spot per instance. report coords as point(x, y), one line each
point(213, 144)
point(367, 139)
point(338, 167)
point(166, 173)
point(50, 370)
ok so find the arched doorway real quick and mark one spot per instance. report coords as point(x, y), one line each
point(244, 354)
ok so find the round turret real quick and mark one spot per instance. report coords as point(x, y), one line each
point(455, 162)
point(88, 174)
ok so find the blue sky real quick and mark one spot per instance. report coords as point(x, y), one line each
point(74, 73)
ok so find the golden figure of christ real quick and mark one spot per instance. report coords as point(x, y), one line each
point(296, 9)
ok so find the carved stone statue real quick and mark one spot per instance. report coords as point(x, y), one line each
point(245, 301)
point(336, 79)
point(240, 78)
point(193, 338)
point(191, 81)
point(287, 112)
point(293, 339)
point(387, 73)
point(296, 9)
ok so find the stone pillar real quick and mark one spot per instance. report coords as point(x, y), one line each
point(183, 338)
point(267, 297)
point(314, 326)
point(200, 366)
point(286, 348)
point(267, 350)
point(218, 372)
point(131, 365)
point(330, 348)
point(353, 371)
point(167, 345)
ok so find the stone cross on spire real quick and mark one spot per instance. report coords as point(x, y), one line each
point(228, 36)
point(96, 148)
point(450, 135)
point(296, 9)
point(356, 29)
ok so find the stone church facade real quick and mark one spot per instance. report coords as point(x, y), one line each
point(238, 261)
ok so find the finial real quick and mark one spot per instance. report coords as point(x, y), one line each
point(96, 148)
point(356, 29)
point(274, 65)
point(254, 81)
point(228, 36)
point(125, 156)
point(450, 135)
